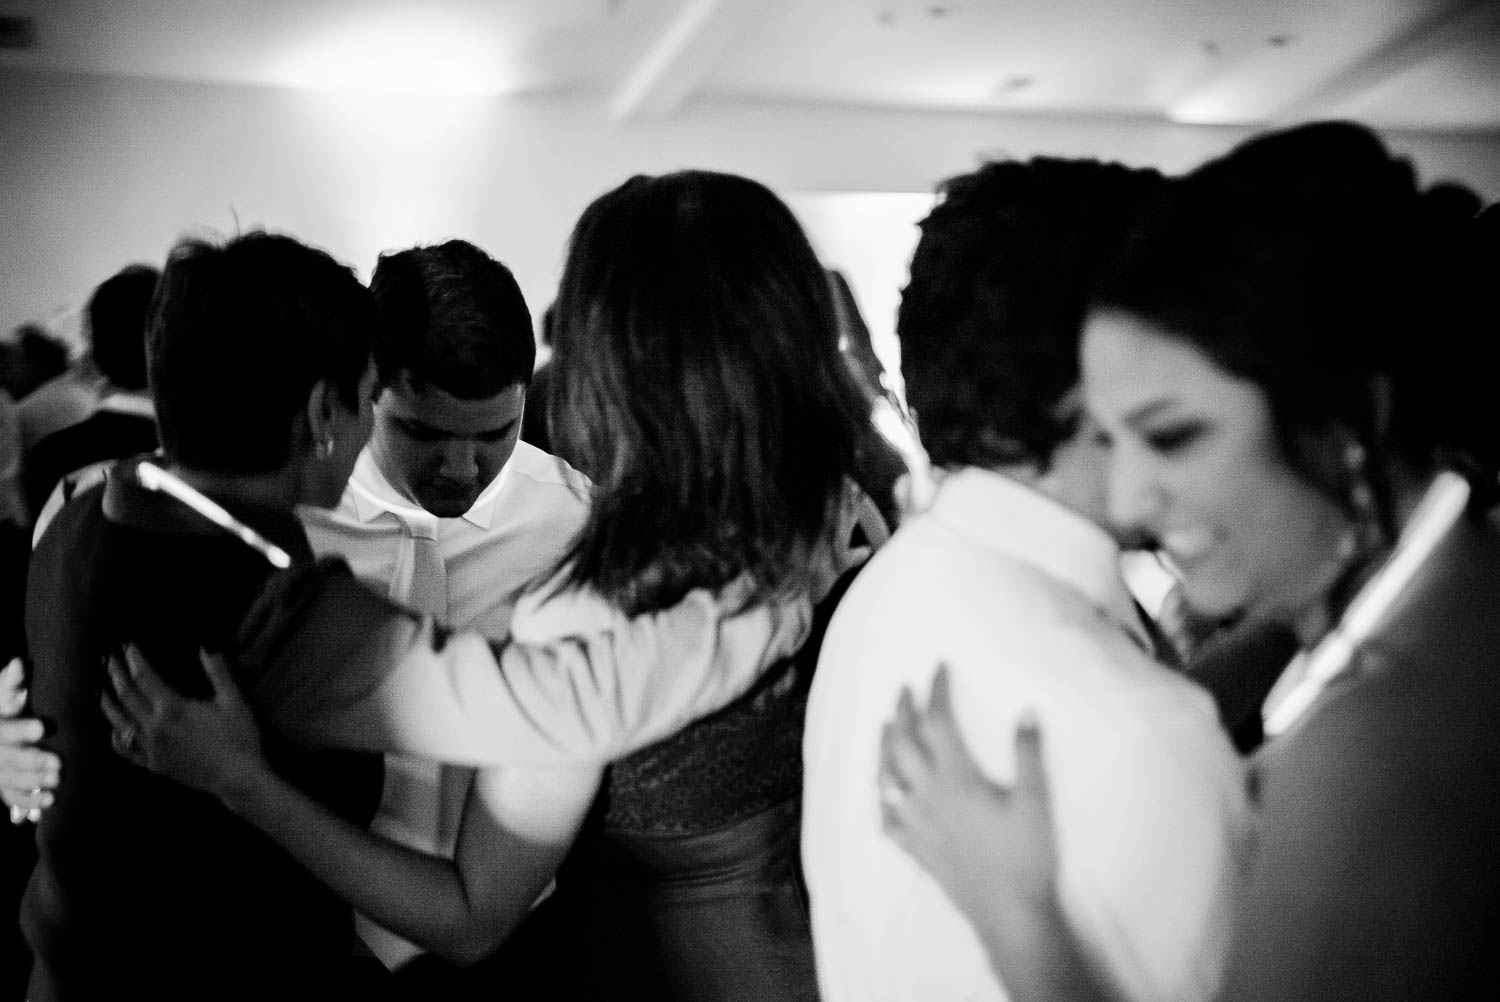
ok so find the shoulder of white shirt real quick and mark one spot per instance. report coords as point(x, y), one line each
point(544, 468)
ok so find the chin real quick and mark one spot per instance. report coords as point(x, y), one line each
point(1215, 598)
point(447, 507)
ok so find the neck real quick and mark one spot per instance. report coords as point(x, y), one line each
point(393, 480)
point(279, 489)
point(1314, 622)
point(1407, 488)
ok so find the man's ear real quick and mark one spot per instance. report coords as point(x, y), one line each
point(321, 413)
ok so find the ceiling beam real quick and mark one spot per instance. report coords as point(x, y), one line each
point(1448, 24)
point(682, 56)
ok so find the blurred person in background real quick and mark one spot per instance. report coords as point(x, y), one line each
point(73, 394)
point(29, 358)
point(120, 421)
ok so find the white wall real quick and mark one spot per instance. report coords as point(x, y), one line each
point(869, 236)
point(99, 171)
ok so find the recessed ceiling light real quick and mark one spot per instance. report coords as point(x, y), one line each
point(411, 52)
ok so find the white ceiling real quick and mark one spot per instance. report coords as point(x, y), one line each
point(1421, 64)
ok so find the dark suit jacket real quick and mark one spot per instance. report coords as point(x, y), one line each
point(143, 887)
point(105, 435)
point(1377, 866)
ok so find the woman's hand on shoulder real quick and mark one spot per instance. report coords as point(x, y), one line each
point(990, 847)
point(211, 745)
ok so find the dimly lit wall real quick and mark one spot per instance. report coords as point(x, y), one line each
point(99, 171)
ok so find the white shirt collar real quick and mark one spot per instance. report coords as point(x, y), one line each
point(1005, 515)
point(373, 496)
point(136, 404)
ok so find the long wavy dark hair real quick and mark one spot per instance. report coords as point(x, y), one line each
point(699, 384)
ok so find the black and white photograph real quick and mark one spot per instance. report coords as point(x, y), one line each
point(750, 500)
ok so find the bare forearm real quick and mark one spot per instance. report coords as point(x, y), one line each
point(419, 896)
point(1036, 953)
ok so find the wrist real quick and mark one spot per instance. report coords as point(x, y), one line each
point(244, 789)
point(1034, 908)
point(1036, 952)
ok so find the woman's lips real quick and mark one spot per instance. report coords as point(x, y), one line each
point(1187, 547)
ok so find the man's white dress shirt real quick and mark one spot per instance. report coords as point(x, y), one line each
point(1023, 600)
point(515, 533)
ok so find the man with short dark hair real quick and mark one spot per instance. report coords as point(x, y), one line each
point(1010, 580)
point(447, 512)
point(260, 365)
point(114, 324)
point(122, 422)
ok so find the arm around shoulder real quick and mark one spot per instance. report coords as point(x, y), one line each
point(336, 665)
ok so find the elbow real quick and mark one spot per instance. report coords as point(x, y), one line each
point(471, 946)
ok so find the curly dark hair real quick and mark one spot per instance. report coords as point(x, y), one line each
point(1309, 262)
point(1000, 280)
point(698, 382)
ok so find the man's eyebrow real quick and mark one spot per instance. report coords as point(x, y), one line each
point(419, 426)
point(416, 424)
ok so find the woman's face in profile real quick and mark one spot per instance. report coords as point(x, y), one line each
point(1194, 463)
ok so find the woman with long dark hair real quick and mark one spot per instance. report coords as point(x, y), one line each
point(699, 382)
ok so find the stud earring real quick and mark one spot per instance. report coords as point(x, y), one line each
point(1366, 533)
point(1361, 494)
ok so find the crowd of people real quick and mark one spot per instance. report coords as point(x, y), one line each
point(356, 657)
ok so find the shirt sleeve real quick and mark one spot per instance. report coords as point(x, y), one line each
point(1147, 797)
point(329, 663)
point(1153, 861)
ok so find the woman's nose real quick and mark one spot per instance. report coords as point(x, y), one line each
point(1135, 496)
